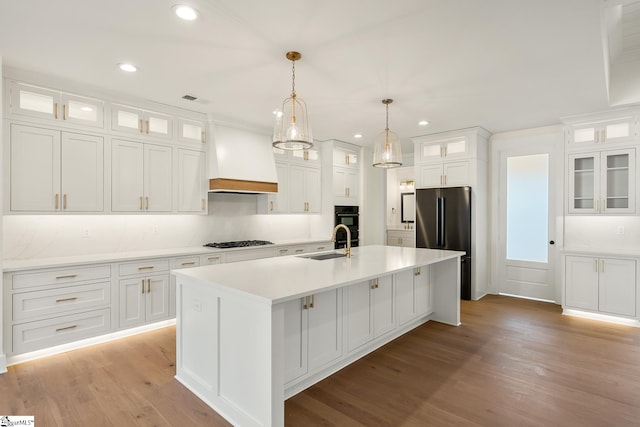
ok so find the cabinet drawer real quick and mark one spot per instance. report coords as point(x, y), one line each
point(187, 262)
point(246, 255)
point(60, 330)
point(60, 300)
point(143, 267)
point(211, 259)
point(60, 276)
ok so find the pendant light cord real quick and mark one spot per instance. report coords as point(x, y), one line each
point(293, 78)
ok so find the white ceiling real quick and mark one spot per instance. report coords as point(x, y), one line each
point(500, 64)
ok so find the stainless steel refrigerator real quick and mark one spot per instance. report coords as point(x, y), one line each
point(443, 221)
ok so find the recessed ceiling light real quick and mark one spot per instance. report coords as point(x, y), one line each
point(128, 68)
point(357, 135)
point(423, 122)
point(185, 12)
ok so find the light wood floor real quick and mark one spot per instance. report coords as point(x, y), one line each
point(512, 363)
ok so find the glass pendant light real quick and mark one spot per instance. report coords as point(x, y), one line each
point(292, 131)
point(386, 152)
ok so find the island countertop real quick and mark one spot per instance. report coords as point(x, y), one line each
point(281, 279)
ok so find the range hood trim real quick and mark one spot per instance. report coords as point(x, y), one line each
point(222, 185)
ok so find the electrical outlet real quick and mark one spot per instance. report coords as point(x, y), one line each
point(85, 232)
point(620, 229)
point(155, 230)
point(197, 306)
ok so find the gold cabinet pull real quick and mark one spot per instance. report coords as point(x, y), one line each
point(64, 202)
point(140, 202)
point(213, 258)
point(140, 125)
point(203, 137)
point(146, 202)
point(147, 127)
point(143, 286)
point(312, 301)
point(55, 110)
point(57, 201)
point(299, 251)
point(595, 265)
point(64, 111)
point(604, 135)
point(345, 191)
point(188, 263)
point(67, 299)
point(346, 159)
point(66, 276)
point(603, 205)
point(320, 248)
point(66, 328)
point(203, 205)
point(283, 251)
point(148, 286)
point(305, 305)
point(146, 267)
point(305, 155)
point(601, 266)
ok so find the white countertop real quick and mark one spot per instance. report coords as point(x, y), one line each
point(589, 251)
point(276, 280)
point(32, 263)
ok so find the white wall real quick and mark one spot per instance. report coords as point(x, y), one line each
point(231, 217)
point(372, 211)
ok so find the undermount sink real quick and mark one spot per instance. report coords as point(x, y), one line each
point(323, 256)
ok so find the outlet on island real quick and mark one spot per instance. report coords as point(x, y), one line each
point(155, 230)
point(620, 230)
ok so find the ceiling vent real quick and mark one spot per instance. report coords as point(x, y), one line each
point(189, 97)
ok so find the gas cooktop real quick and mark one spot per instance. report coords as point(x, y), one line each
point(238, 244)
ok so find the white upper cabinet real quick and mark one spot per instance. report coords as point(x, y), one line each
point(141, 122)
point(454, 148)
point(48, 104)
point(141, 178)
point(53, 171)
point(191, 131)
point(602, 182)
point(305, 189)
point(279, 202)
point(346, 156)
point(601, 132)
point(192, 182)
point(346, 186)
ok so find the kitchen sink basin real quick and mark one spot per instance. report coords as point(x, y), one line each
point(323, 256)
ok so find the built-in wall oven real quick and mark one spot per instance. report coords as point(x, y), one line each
point(347, 215)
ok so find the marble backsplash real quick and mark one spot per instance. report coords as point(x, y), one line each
point(231, 217)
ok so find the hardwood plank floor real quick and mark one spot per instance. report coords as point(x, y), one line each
point(512, 363)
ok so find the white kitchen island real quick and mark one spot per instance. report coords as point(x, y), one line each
point(251, 334)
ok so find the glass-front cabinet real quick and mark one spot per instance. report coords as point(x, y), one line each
point(602, 182)
point(601, 132)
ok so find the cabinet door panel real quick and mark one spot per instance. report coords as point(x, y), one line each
point(581, 286)
point(359, 314)
point(157, 178)
point(617, 290)
point(456, 173)
point(157, 298)
point(584, 182)
point(405, 297)
point(279, 202)
point(431, 176)
point(34, 101)
point(618, 181)
point(35, 169)
point(424, 299)
point(81, 110)
point(384, 312)
point(295, 339)
point(192, 192)
point(313, 190)
point(132, 301)
point(325, 328)
point(127, 119)
point(127, 162)
point(82, 173)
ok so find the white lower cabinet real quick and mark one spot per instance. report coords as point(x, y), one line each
point(606, 285)
point(313, 333)
point(413, 294)
point(370, 311)
point(48, 307)
point(144, 299)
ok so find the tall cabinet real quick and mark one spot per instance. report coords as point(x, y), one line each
point(455, 159)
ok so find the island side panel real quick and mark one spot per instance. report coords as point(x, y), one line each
point(445, 281)
point(225, 353)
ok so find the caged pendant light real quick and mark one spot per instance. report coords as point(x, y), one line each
point(292, 131)
point(386, 152)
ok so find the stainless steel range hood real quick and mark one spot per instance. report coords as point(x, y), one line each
point(241, 161)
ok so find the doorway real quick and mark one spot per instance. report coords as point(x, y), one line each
point(529, 182)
